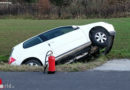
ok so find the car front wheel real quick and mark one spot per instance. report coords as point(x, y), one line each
point(100, 37)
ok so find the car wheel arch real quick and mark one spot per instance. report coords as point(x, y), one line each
point(30, 58)
point(97, 28)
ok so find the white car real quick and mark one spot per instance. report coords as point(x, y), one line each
point(64, 42)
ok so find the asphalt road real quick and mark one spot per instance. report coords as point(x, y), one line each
point(88, 80)
point(115, 65)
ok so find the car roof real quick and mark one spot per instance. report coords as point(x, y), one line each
point(57, 28)
point(50, 30)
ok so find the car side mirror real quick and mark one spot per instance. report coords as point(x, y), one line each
point(75, 27)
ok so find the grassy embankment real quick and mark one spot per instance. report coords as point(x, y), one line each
point(14, 31)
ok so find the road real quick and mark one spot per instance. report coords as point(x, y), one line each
point(88, 80)
point(115, 65)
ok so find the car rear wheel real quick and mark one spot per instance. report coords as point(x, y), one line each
point(33, 62)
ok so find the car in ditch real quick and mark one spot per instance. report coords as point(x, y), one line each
point(66, 43)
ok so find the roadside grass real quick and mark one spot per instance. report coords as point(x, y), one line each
point(80, 66)
point(4, 58)
point(14, 31)
point(75, 67)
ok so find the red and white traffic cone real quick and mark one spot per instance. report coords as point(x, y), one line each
point(1, 85)
point(51, 63)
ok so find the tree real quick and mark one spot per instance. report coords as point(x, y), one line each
point(60, 4)
point(3, 0)
point(23, 1)
point(44, 6)
point(30, 1)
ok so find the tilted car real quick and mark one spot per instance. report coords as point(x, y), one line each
point(64, 42)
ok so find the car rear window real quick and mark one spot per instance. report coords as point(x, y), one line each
point(32, 42)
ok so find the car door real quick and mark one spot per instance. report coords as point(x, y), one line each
point(64, 39)
point(35, 47)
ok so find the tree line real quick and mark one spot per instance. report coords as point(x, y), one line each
point(52, 9)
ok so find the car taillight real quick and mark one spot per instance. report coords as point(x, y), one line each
point(11, 60)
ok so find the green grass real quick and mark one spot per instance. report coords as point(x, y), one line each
point(75, 67)
point(14, 31)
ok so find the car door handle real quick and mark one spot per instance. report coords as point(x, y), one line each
point(49, 44)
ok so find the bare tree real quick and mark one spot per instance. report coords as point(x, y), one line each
point(60, 4)
point(43, 6)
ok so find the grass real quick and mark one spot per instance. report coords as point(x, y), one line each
point(14, 31)
point(75, 67)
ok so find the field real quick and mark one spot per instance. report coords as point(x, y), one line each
point(14, 31)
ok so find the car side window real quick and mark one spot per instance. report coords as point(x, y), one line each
point(56, 32)
point(67, 29)
point(50, 34)
point(32, 42)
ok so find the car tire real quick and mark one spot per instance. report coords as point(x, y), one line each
point(33, 62)
point(99, 37)
point(109, 46)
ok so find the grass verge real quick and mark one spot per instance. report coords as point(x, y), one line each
point(14, 31)
point(4, 58)
point(75, 67)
